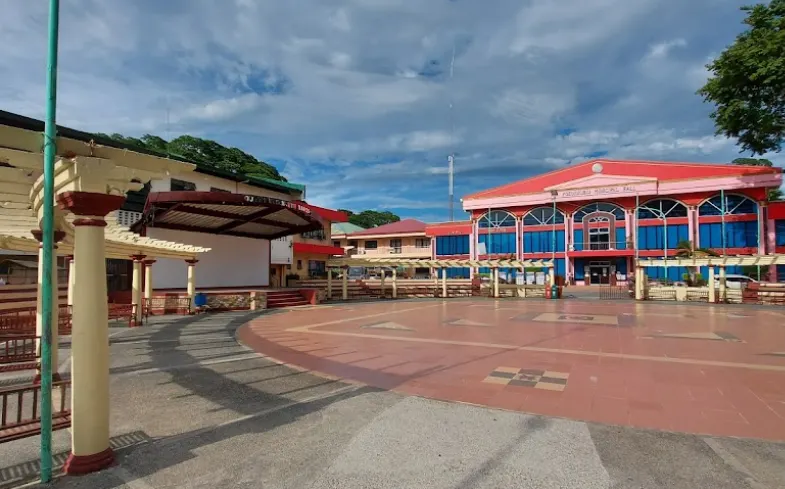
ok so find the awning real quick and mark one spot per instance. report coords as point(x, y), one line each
point(247, 216)
point(317, 249)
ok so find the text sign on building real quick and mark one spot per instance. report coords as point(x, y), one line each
point(598, 191)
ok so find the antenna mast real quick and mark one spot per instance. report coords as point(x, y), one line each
point(451, 157)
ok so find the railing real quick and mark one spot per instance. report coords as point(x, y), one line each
point(166, 305)
point(19, 410)
point(23, 320)
point(604, 246)
point(395, 250)
point(614, 292)
point(123, 311)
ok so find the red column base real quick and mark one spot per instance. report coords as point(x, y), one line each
point(86, 464)
point(37, 379)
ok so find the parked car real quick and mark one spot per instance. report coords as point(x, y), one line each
point(735, 281)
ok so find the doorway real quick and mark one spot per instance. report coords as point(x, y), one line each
point(599, 273)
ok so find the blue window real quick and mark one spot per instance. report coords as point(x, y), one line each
point(452, 245)
point(621, 239)
point(730, 270)
point(543, 216)
point(559, 269)
point(780, 273)
point(734, 204)
point(577, 240)
point(737, 234)
point(653, 237)
point(499, 243)
point(674, 274)
point(497, 219)
point(458, 273)
point(779, 231)
point(614, 209)
point(659, 208)
point(542, 241)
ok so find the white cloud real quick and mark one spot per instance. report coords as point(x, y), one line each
point(661, 49)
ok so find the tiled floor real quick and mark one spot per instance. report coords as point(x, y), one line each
point(701, 369)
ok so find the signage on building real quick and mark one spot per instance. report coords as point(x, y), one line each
point(598, 191)
point(257, 199)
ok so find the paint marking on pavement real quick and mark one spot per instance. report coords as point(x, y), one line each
point(307, 329)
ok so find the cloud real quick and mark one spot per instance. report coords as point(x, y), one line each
point(355, 98)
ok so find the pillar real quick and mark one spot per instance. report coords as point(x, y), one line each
point(148, 279)
point(552, 276)
point(712, 286)
point(191, 290)
point(54, 341)
point(394, 283)
point(381, 283)
point(345, 284)
point(518, 238)
point(639, 283)
point(71, 280)
point(329, 284)
point(444, 282)
point(90, 449)
point(723, 286)
point(771, 247)
point(495, 273)
point(136, 288)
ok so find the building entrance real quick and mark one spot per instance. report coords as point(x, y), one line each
point(601, 273)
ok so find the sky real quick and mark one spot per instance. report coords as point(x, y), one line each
point(352, 98)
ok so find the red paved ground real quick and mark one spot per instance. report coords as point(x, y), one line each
point(725, 377)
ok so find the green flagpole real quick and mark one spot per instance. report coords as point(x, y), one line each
point(47, 231)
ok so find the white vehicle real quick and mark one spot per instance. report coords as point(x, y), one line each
point(735, 281)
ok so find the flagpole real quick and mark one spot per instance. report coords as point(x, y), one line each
point(722, 217)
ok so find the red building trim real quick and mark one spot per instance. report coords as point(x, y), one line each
point(316, 249)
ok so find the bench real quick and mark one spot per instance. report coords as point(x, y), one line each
point(23, 321)
point(165, 305)
point(123, 311)
point(20, 419)
point(18, 352)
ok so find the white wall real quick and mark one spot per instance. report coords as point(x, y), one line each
point(281, 253)
point(205, 182)
point(232, 261)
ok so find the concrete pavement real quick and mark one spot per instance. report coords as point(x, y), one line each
point(193, 409)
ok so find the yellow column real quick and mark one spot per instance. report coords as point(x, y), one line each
point(444, 282)
point(712, 286)
point(551, 276)
point(329, 284)
point(382, 283)
point(136, 287)
point(394, 283)
point(90, 449)
point(191, 290)
point(71, 280)
point(638, 283)
point(39, 318)
point(723, 286)
point(345, 284)
point(495, 273)
point(148, 279)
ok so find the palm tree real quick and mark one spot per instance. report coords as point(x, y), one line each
point(686, 249)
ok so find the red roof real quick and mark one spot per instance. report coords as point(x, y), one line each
point(660, 170)
point(449, 228)
point(317, 249)
point(326, 214)
point(404, 226)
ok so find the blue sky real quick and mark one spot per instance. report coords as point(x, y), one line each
point(352, 97)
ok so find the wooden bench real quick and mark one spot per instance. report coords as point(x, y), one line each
point(165, 305)
point(18, 352)
point(20, 419)
point(123, 311)
point(23, 321)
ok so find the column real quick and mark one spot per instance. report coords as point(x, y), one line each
point(552, 279)
point(638, 283)
point(136, 288)
point(395, 283)
point(495, 273)
point(472, 243)
point(329, 284)
point(71, 280)
point(191, 288)
point(518, 238)
point(762, 238)
point(90, 449)
point(54, 341)
point(345, 284)
point(695, 235)
point(771, 246)
point(444, 283)
point(381, 283)
point(712, 286)
point(723, 289)
point(148, 280)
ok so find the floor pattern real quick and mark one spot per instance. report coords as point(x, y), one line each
point(519, 377)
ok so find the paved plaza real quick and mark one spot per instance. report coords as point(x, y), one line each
point(717, 370)
point(193, 408)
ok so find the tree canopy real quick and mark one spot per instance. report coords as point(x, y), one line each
point(371, 219)
point(747, 85)
point(204, 152)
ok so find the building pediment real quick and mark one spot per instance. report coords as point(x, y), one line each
point(599, 180)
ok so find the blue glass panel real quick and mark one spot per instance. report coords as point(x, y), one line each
point(498, 243)
point(452, 245)
point(577, 237)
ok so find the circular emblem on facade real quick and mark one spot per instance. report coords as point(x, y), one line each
point(596, 168)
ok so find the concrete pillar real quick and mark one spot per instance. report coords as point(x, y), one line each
point(394, 283)
point(551, 276)
point(90, 449)
point(329, 284)
point(345, 284)
point(39, 318)
point(444, 283)
point(71, 280)
point(148, 279)
point(136, 288)
point(191, 288)
point(381, 283)
point(639, 283)
point(712, 286)
point(495, 273)
point(723, 286)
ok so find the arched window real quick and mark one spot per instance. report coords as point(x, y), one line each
point(543, 215)
point(734, 204)
point(662, 208)
point(614, 209)
point(497, 219)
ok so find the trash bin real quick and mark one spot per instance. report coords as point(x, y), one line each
point(554, 292)
point(547, 292)
point(200, 300)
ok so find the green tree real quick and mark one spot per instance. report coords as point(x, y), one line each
point(370, 219)
point(748, 82)
point(774, 193)
point(205, 152)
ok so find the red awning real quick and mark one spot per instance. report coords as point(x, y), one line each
point(317, 249)
point(247, 216)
